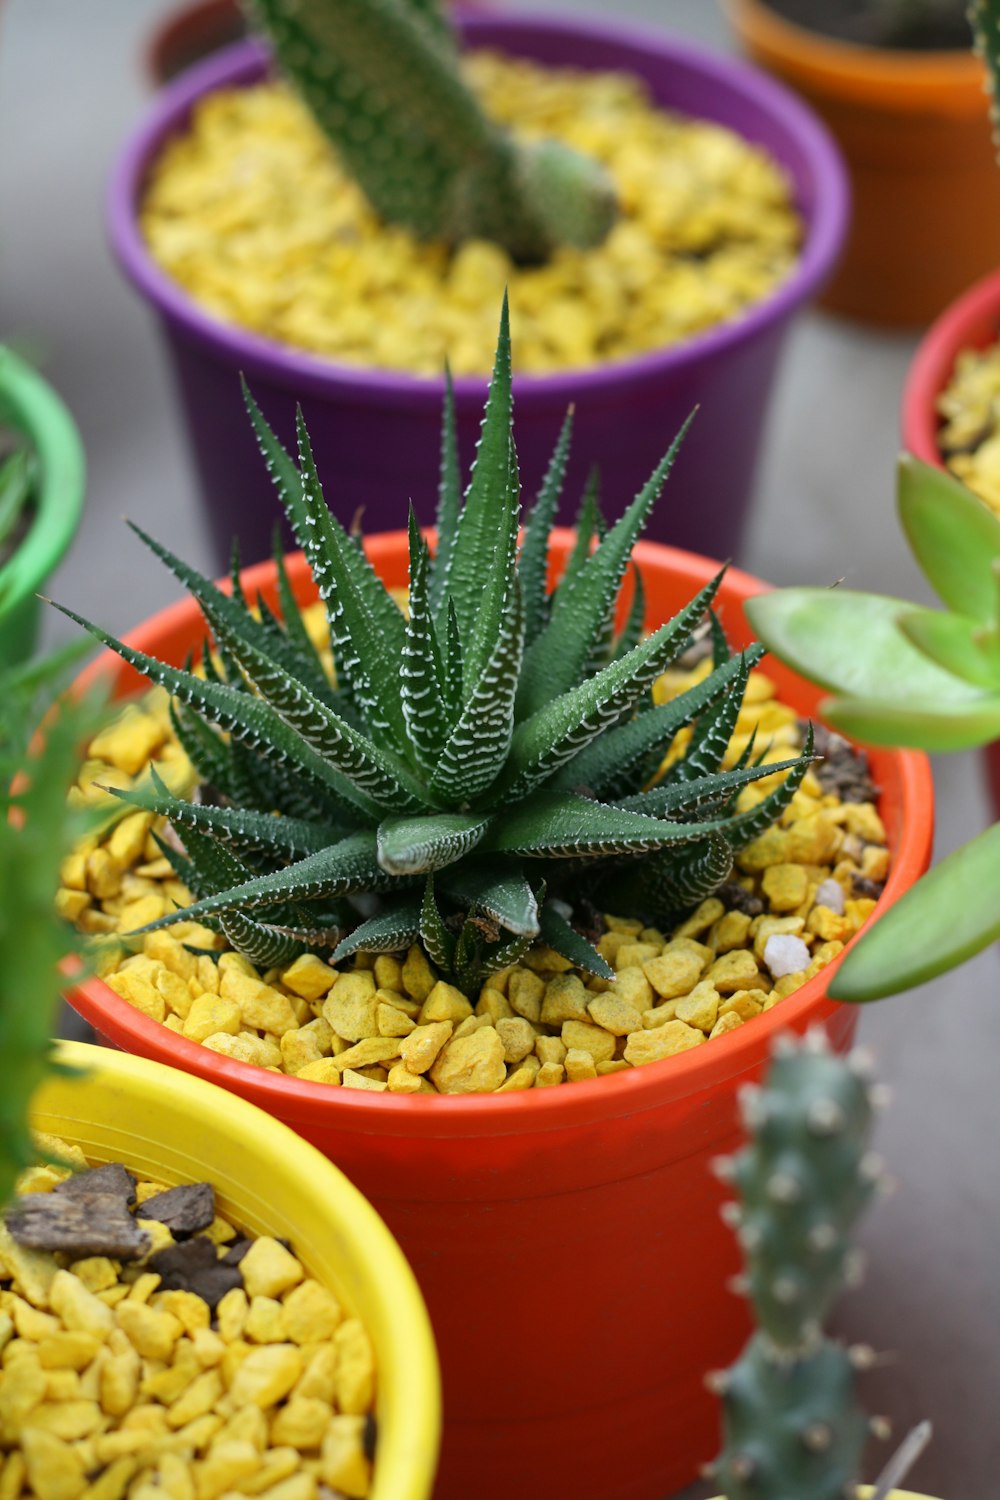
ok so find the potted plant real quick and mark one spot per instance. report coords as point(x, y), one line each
point(897, 86)
point(793, 1424)
point(41, 497)
point(379, 426)
point(527, 1186)
point(95, 1108)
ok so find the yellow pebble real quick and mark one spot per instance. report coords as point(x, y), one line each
point(614, 1014)
point(650, 1045)
point(269, 1269)
point(417, 975)
point(673, 973)
point(78, 1308)
point(471, 1064)
point(266, 1375)
point(309, 977)
point(420, 1049)
point(350, 1006)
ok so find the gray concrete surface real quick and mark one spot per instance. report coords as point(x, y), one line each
point(70, 86)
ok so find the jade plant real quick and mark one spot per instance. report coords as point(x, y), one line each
point(924, 678)
point(382, 79)
point(793, 1424)
point(37, 828)
point(483, 770)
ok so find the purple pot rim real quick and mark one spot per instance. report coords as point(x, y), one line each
point(305, 372)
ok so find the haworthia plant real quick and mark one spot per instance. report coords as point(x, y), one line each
point(37, 827)
point(930, 679)
point(382, 79)
point(484, 766)
point(793, 1425)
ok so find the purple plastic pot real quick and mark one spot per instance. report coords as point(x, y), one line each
point(376, 433)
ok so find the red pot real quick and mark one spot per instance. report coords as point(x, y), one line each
point(971, 322)
point(567, 1240)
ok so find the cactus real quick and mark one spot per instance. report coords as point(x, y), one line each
point(37, 827)
point(480, 770)
point(382, 79)
point(793, 1426)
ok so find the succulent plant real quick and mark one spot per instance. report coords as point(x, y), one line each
point(16, 487)
point(37, 828)
point(925, 678)
point(793, 1426)
point(481, 768)
point(382, 79)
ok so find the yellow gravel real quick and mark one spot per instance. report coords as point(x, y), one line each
point(111, 1387)
point(969, 440)
point(251, 213)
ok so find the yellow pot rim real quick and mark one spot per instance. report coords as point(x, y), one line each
point(263, 1162)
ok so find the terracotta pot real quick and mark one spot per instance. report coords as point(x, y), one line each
point(378, 431)
point(567, 1240)
point(188, 34)
point(914, 128)
point(175, 1129)
point(971, 322)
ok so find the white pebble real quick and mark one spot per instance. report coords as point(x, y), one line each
point(831, 894)
point(785, 954)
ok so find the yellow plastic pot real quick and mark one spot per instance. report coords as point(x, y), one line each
point(175, 1128)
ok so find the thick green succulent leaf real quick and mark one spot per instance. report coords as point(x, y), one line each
point(960, 645)
point(426, 707)
point(206, 749)
point(590, 525)
point(16, 478)
point(395, 927)
point(954, 537)
point(240, 714)
point(851, 643)
point(265, 946)
point(688, 798)
point(631, 632)
point(366, 627)
point(949, 915)
point(557, 658)
point(557, 826)
point(299, 636)
point(412, 846)
point(714, 728)
point(744, 827)
point(617, 764)
point(563, 728)
point(454, 665)
point(439, 943)
point(347, 867)
point(497, 887)
point(533, 558)
point(721, 649)
point(479, 567)
point(918, 724)
point(477, 747)
point(449, 498)
point(558, 933)
point(664, 886)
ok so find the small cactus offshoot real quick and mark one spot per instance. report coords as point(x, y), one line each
point(480, 770)
point(792, 1423)
point(382, 79)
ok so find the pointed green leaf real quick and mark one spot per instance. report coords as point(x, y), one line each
point(449, 498)
point(554, 826)
point(694, 797)
point(565, 939)
point(918, 725)
point(425, 703)
point(265, 946)
point(631, 631)
point(954, 536)
point(533, 558)
point(949, 915)
point(438, 942)
point(412, 846)
point(497, 887)
point(714, 728)
point(744, 827)
point(396, 927)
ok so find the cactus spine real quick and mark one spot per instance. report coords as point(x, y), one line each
point(382, 79)
point(792, 1425)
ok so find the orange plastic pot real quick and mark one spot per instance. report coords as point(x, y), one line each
point(914, 127)
point(567, 1241)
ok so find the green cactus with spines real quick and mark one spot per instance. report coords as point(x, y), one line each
point(382, 79)
point(481, 766)
point(792, 1423)
point(37, 828)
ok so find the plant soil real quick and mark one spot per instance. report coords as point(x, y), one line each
point(910, 25)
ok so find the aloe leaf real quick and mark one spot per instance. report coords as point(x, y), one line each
point(949, 915)
point(690, 797)
point(412, 846)
point(240, 714)
point(366, 627)
point(714, 728)
point(851, 643)
point(561, 730)
point(476, 749)
point(558, 933)
point(390, 930)
point(551, 826)
point(958, 644)
point(557, 657)
point(341, 870)
point(438, 942)
point(589, 524)
point(498, 888)
point(666, 885)
point(425, 701)
point(533, 558)
point(918, 725)
point(454, 665)
point(954, 536)
point(449, 498)
point(631, 632)
point(721, 649)
point(486, 532)
point(262, 944)
point(744, 827)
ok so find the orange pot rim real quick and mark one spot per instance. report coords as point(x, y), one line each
point(948, 82)
point(524, 1112)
